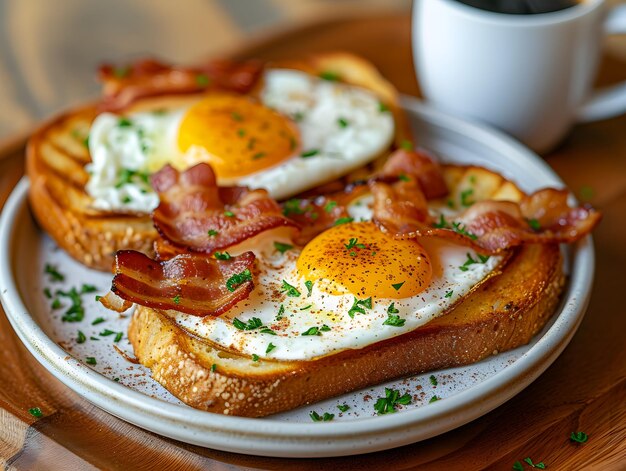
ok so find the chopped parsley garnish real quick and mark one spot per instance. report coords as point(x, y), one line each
point(126, 199)
point(517, 466)
point(267, 330)
point(387, 404)
point(324, 328)
point(76, 312)
point(97, 321)
point(47, 293)
point(237, 279)
point(229, 214)
point(354, 242)
point(118, 337)
point(80, 338)
point(326, 417)
point(472, 261)
point(579, 437)
point(281, 311)
point(358, 306)
point(306, 307)
point(282, 248)
point(176, 299)
point(214, 367)
point(442, 224)
point(382, 107)
point(222, 256)
point(129, 176)
point(465, 195)
point(269, 348)
point(328, 207)
point(97, 297)
point(397, 286)
point(433, 399)
point(343, 220)
point(539, 465)
point(392, 309)
point(94, 338)
point(292, 206)
point(309, 153)
point(433, 380)
point(449, 294)
point(106, 333)
point(343, 122)
point(258, 155)
point(212, 232)
point(404, 178)
point(91, 361)
point(252, 324)
point(309, 286)
point(54, 273)
point(290, 290)
point(394, 319)
point(236, 116)
point(87, 289)
point(330, 76)
point(202, 80)
point(35, 412)
point(124, 123)
point(406, 145)
point(460, 229)
point(343, 407)
point(255, 357)
point(241, 132)
point(534, 224)
point(312, 331)
point(56, 303)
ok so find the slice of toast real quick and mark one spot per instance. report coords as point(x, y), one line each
point(57, 155)
point(503, 313)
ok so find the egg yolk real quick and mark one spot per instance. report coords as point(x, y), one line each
point(357, 257)
point(237, 135)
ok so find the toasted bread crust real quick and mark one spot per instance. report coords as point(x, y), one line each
point(504, 313)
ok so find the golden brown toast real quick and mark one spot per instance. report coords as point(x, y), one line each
point(506, 311)
point(57, 155)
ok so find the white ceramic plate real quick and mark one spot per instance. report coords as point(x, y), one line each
point(126, 390)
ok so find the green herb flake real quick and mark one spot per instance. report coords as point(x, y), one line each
point(472, 261)
point(449, 294)
point(118, 337)
point(312, 331)
point(94, 338)
point(106, 333)
point(354, 243)
point(269, 348)
point(176, 299)
point(465, 197)
point(517, 466)
point(124, 123)
point(359, 305)
point(433, 380)
point(534, 224)
point(406, 145)
point(343, 407)
point(292, 206)
point(343, 220)
point(328, 207)
point(258, 155)
point(214, 367)
point(97, 321)
point(202, 80)
point(291, 291)
point(76, 312)
point(387, 404)
point(383, 108)
point(47, 293)
point(212, 232)
point(54, 273)
point(394, 320)
point(80, 337)
point(392, 309)
point(252, 324)
point(91, 361)
point(539, 465)
point(255, 357)
point(315, 417)
point(222, 256)
point(87, 289)
point(330, 76)
point(97, 297)
point(435, 398)
point(229, 214)
point(460, 229)
point(343, 123)
point(56, 303)
point(281, 311)
point(579, 437)
point(282, 248)
point(324, 328)
point(397, 286)
point(403, 177)
point(241, 132)
point(236, 116)
point(309, 153)
point(35, 412)
point(238, 279)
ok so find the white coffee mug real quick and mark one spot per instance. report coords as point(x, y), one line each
point(530, 75)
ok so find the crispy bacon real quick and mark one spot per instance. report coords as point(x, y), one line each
point(419, 165)
point(195, 284)
point(122, 86)
point(196, 214)
point(487, 226)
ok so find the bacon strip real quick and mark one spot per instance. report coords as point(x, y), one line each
point(487, 226)
point(418, 165)
point(122, 86)
point(196, 214)
point(191, 283)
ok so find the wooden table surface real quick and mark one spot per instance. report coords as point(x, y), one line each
point(584, 390)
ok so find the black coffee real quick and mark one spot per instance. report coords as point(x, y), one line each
point(521, 7)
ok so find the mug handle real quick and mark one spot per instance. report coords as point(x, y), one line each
point(607, 102)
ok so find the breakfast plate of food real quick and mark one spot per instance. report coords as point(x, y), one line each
point(288, 259)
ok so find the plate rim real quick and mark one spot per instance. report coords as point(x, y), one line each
point(155, 414)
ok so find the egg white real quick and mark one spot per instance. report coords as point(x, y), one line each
point(343, 124)
point(449, 284)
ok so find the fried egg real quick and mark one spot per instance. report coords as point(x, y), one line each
point(303, 131)
point(349, 287)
